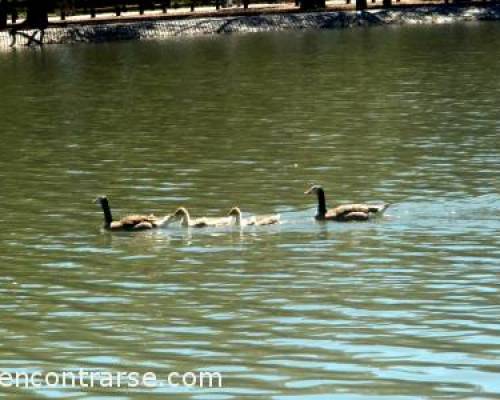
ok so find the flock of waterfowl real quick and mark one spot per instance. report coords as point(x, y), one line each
point(342, 213)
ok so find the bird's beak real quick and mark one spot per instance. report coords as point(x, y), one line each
point(309, 191)
point(98, 199)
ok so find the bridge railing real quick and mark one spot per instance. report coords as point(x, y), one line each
point(15, 10)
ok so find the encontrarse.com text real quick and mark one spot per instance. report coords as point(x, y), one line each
point(104, 379)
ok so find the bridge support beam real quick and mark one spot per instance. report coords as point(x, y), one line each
point(37, 14)
point(361, 5)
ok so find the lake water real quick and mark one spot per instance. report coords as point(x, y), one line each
point(406, 306)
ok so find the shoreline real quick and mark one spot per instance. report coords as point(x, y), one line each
point(267, 22)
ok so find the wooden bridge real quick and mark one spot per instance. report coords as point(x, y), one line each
point(34, 13)
point(24, 15)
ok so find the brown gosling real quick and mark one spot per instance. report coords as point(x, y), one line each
point(183, 215)
point(257, 220)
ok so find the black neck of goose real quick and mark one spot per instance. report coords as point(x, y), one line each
point(108, 217)
point(321, 203)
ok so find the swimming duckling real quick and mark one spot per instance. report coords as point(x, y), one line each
point(182, 214)
point(235, 214)
point(131, 222)
point(346, 212)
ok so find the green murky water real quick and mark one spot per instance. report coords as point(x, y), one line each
point(403, 307)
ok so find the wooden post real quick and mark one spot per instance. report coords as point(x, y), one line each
point(63, 5)
point(3, 14)
point(245, 4)
point(387, 3)
point(14, 11)
point(192, 5)
point(217, 4)
point(141, 7)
